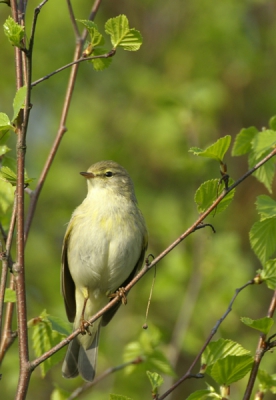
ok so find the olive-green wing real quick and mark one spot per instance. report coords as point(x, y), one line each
point(110, 313)
point(67, 283)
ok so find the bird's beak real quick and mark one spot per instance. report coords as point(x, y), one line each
point(87, 175)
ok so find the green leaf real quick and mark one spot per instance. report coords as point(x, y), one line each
point(44, 338)
point(10, 296)
point(4, 149)
point(263, 324)
point(267, 381)
point(19, 101)
point(272, 123)
point(59, 394)
point(96, 38)
point(122, 35)
point(59, 325)
point(266, 207)
point(7, 175)
point(216, 151)
point(6, 196)
point(5, 123)
point(208, 192)
point(262, 238)
point(156, 381)
point(14, 32)
point(265, 173)
point(243, 140)
point(268, 274)
point(263, 142)
point(219, 349)
point(118, 397)
point(231, 369)
point(100, 63)
point(203, 394)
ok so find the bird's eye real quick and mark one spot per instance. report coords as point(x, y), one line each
point(108, 173)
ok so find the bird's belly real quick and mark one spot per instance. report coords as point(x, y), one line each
point(104, 260)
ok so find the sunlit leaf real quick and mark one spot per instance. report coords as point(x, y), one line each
point(100, 63)
point(272, 123)
point(231, 369)
point(156, 381)
point(265, 173)
point(267, 381)
point(263, 324)
point(243, 141)
point(262, 238)
point(208, 192)
point(59, 394)
point(14, 32)
point(121, 35)
point(118, 397)
point(216, 151)
point(263, 142)
point(5, 123)
point(6, 196)
point(266, 207)
point(10, 296)
point(268, 274)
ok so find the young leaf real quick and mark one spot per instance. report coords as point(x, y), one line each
point(122, 35)
point(208, 192)
point(19, 101)
point(219, 349)
point(216, 150)
point(96, 38)
point(265, 173)
point(272, 123)
point(267, 381)
point(14, 32)
point(204, 394)
point(59, 394)
point(10, 296)
point(5, 123)
point(268, 274)
point(242, 144)
point(7, 175)
point(266, 207)
point(59, 325)
point(100, 63)
point(263, 324)
point(156, 381)
point(231, 369)
point(262, 238)
point(263, 142)
point(6, 196)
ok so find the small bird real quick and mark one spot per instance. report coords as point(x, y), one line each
point(103, 248)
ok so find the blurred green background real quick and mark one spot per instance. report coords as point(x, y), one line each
point(206, 69)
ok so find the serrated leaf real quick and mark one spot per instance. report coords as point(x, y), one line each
point(121, 35)
point(96, 38)
point(216, 151)
point(263, 142)
point(208, 192)
point(7, 175)
point(268, 274)
point(263, 324)
point(156, 381)
point(19, 101)
point(203, 394)
point(272, 123)
point(5, 123)
point(231, 369)
point(262, 238)
point(14, 32)
point(10, 296)
point(267, 381)
point(118, 397)
point(59, 325)
point(265, 173)
point(221, 348)
point(100, 63)
point(6, 196)
point(266, 207)
point(243, 140)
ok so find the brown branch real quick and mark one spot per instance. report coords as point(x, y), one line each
point(262, 347)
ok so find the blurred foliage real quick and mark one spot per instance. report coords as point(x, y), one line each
point(206, 69)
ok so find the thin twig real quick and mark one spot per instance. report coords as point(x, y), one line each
point(189, 374)
point(81, 59)
point(260, 351)
point(80, 390)
point(73, 20)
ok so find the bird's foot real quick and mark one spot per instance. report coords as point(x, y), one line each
point(84, 327)
point(121, 294)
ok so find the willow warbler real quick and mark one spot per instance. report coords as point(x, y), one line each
point(103, 248)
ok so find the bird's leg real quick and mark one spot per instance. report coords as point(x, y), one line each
point(121, 293)
point(84, 324)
